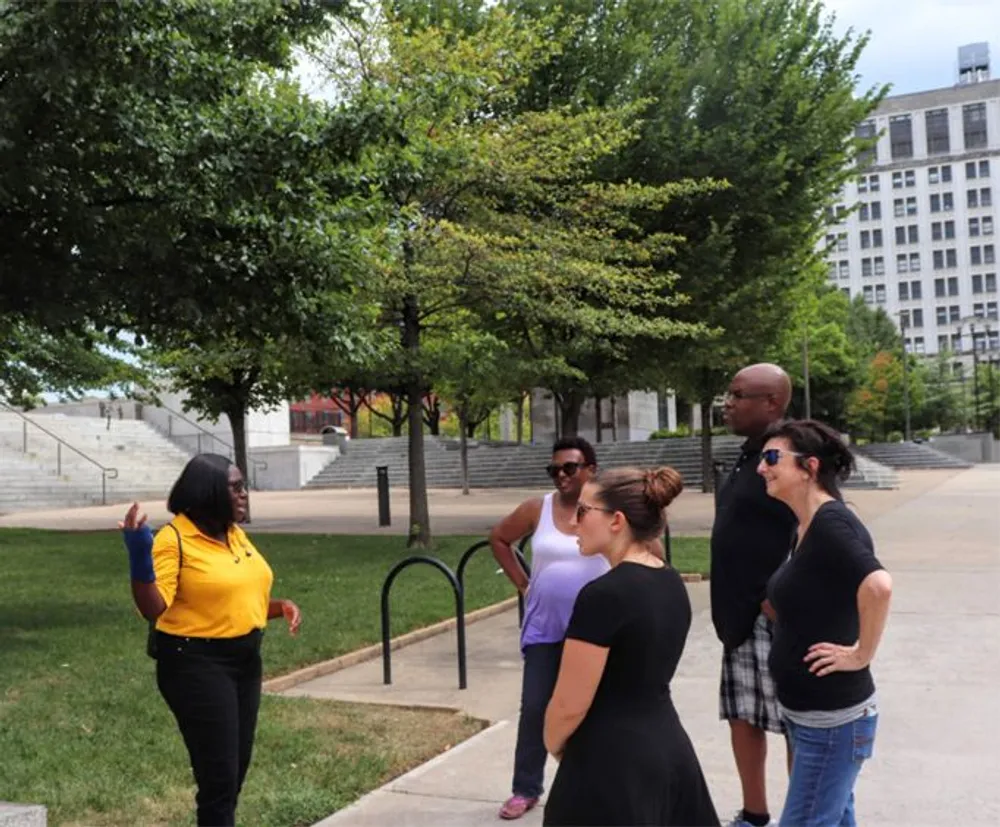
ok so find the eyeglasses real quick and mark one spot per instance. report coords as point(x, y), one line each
point(739, 395)
point(238, 487)
point(772, 455)
point(582, 510)
point(567, 468)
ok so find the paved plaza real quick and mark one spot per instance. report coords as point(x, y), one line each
point(936, 758)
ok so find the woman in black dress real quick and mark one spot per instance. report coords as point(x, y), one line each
point(625, 758)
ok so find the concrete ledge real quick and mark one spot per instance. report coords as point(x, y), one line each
point(327, 667)
point(22, 815)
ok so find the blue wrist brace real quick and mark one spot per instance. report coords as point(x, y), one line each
point(139, 543)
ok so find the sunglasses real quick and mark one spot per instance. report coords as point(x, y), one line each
point(567, 468)
point(582, 510)
point(772, 455)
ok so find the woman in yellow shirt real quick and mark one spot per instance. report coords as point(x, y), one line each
point(208, 590)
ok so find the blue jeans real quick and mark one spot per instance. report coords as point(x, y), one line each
point(825, 766)
point(541, 668)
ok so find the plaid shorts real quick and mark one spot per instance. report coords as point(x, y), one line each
point(746, 691)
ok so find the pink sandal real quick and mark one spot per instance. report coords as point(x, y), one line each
point(516, 806)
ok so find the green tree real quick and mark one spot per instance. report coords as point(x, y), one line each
point(759, 93)
point(877, 407)
point(492, 212)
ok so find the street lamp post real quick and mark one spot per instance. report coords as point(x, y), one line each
point(975, 378)
point(903, 325)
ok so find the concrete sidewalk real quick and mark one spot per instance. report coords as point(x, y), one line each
point(355, 511)
point(937, 758)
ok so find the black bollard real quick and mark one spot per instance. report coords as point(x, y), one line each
point(382, 474)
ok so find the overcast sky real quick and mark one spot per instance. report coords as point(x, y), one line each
point(914, 44)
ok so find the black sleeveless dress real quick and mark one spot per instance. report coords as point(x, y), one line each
point(630, 762)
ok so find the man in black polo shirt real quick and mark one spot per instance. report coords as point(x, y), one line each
point(751, 537)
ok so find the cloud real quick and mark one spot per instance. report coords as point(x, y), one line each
point(914, 46)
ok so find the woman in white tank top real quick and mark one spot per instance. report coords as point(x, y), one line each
point(558, 572)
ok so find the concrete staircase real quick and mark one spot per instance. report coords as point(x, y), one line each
point(508, 465)
point(910, 455)
point(40, 473)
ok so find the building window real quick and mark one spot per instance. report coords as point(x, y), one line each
point(918, 344)
point(845, 270)
point(899, 206)
point(934, 175)
point(942, 315)
point(879, 294)
point(901, 235)
point(874, 183)
point(904, 291)
point(953, 286)
point(869, 294)
point(831, 270)
point(867, 134)
point(877, 238)
point(987, 224)
point(901, 136)
point(902, 263)
point(973, 227)
point(866, 239)
point(975, 255)
point(913, 234)
point(942, 343)
point(866, 267)
point(863, 185)
point(945, 258)
point(916, 290)
point(949, 230)
point(897, 180)
point(985, 197)
point(842, 243)
point(974, 125)
point(947, 201)
point(970, 169)
point(946, 174)
point(984, 169)
point(936, 122)
point(918, 318)
point(911, 205)
point(991, 311)
point(979, 310)
point(904, 319)
point(989, 255)
point(879, 266)
point(910, 177)
point(954, 313)
point(940, 288)
point(977, 284)
point(914, 262)
point(972, 198)
point(846, 291)
point(990, 281)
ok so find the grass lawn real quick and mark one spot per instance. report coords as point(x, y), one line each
point(84, 731)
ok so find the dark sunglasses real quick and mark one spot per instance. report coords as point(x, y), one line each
point(582, 510)
point(772, 455)
point(567, 468)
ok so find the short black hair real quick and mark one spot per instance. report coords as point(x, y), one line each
point(812, 438)
point(577, 443)
point(201, 492)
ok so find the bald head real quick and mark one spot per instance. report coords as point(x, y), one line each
point(758, 396)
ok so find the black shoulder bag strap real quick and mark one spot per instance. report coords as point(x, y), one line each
point(151, 636)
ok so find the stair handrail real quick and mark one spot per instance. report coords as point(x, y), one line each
point(256, 464)
point(107, 472)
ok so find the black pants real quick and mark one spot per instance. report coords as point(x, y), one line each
point(213, 689)
point(541, 668)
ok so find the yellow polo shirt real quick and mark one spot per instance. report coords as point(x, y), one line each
point(222, 591)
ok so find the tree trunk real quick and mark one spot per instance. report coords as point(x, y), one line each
point(354, 408)
point(420, 520)
point(519, 428)
point(463, 450)
point(238, 424)
point(707, 472)
point(569, 413)
point(469, 426)
point(432, 415)
point(597, 418)
point(614, 419)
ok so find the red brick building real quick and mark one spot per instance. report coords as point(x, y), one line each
point(309, 416)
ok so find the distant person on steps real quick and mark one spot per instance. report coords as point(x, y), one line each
point(751, 538)
point(558, 572)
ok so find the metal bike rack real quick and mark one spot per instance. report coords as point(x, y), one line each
point(459, 614)
point(520, 559)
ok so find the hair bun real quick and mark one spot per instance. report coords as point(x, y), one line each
point(662, 485)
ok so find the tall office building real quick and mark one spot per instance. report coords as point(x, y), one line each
point(923, 241)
